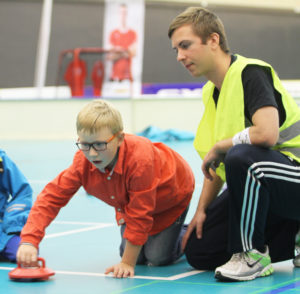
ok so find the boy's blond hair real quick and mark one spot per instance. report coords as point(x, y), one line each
point(99, 114)
point(203, 22)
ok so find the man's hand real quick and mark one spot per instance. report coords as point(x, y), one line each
point(215, 156)
point(196, 223)
point(121, 270)
point(211, 161)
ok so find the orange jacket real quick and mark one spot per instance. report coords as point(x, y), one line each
point(150, 188)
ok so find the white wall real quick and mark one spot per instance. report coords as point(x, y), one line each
point(55, 119)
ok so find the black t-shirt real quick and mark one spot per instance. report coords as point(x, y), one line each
point(258, 92)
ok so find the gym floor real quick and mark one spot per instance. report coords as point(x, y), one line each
point(84, 239)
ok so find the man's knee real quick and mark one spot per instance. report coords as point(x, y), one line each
point(236, 154)
point(205, 260)
point(205, 255)
point(198, 258)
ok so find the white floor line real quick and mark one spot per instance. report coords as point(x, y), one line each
point(108, 276)
point(184, 275)
point(172, 278)
point(101, 226)
point(6, 268)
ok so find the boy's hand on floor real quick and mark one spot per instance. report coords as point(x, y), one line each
point(121, 270)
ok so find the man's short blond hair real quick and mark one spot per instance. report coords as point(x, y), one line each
point(99, 114)
point(203, 22)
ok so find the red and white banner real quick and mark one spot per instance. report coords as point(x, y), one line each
point(124, 34)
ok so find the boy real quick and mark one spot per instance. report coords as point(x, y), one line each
point(149, 185)
point(15, 204)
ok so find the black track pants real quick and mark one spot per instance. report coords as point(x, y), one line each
point(261, 205)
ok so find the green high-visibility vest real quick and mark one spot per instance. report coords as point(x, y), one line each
point(228, 118)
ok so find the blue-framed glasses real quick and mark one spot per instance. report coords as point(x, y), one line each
point(97, 146)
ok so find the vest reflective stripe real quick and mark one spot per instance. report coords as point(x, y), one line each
point(289, 133)
point(228, 118)
point(288, 151)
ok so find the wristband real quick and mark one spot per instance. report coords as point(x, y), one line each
point(241, 137)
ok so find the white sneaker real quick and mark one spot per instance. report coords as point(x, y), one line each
point(296, 260)
point(246, 266)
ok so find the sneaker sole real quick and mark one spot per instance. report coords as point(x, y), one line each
point(296, 262)
point(266, 272)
